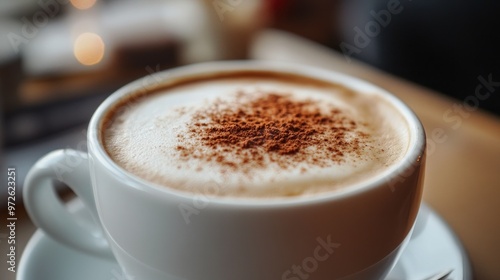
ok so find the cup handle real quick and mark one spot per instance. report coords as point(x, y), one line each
point(50, 214)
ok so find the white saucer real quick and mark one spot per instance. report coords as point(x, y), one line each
point(432, 249)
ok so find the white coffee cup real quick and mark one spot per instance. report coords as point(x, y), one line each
point(354, 233)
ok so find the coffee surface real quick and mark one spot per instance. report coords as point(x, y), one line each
point(247, 136)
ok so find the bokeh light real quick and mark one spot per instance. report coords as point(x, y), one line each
point(89, 48)
point(83, 4)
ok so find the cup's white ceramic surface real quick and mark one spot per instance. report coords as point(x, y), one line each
point(159, 233)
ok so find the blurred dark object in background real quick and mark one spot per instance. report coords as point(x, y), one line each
point(449, 46)
point(312, 19)
point(10, 66)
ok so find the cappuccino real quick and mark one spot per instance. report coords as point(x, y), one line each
point(255, 134)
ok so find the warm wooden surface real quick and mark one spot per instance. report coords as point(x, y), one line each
point(463, 168)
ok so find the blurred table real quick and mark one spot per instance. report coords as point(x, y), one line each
point(463, 165)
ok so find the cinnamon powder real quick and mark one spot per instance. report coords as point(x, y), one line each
point(270, 128)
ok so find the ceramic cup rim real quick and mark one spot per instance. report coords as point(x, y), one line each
point(414, 154)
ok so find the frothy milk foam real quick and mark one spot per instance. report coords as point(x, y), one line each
point(256, 136)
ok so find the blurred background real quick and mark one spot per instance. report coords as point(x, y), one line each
point(59, 59)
